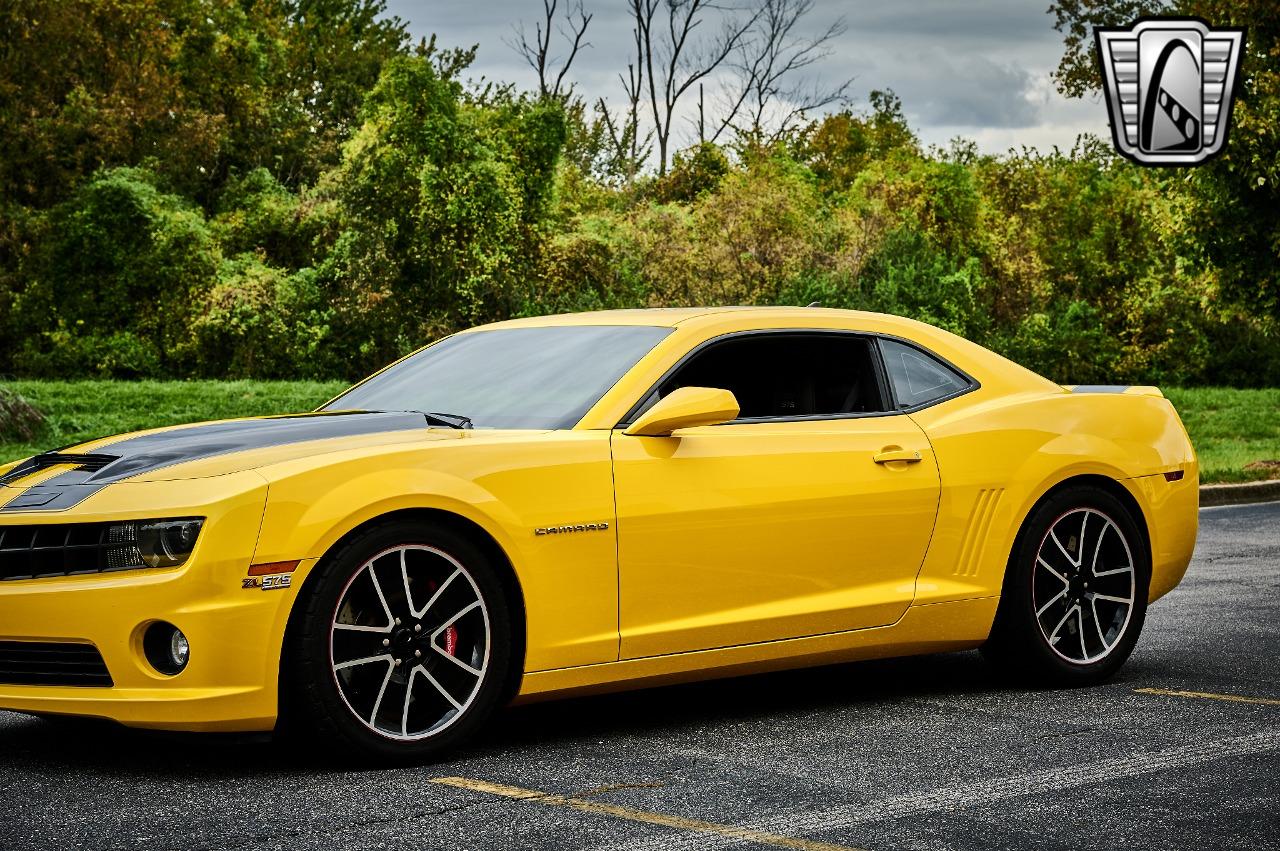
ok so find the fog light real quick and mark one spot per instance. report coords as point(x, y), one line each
point(179, 649)
point(166, 648)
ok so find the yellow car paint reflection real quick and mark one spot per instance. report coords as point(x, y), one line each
point(712, 550)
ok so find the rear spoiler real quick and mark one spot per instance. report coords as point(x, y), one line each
point(1126, 389)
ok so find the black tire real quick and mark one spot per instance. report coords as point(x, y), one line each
point(1090, 645)
point(319, 701)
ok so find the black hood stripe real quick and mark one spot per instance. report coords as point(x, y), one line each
point(149, 452)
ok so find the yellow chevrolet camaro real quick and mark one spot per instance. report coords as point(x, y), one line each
point(587, 502)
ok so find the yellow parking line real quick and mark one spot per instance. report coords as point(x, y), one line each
point(739, 833)
point(1233, 698)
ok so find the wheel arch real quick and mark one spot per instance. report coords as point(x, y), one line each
point(1008, 643)
point(1113, 487)
point(459, 524)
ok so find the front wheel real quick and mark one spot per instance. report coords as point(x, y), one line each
point(1075, 591)
point(402, 646)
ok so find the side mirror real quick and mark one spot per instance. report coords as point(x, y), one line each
point(685, 408)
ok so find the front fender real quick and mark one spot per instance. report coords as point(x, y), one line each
point(298, 524)
point(506, 486)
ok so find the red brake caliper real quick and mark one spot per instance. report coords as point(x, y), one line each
point(450, 632)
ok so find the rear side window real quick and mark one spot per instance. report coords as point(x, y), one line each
point(917, 377)
point(785, 376)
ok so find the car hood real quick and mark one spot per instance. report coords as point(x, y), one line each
point(63, 478)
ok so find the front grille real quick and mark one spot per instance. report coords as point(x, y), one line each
point(48, 663)
point(65, 549)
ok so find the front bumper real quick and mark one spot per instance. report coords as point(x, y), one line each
point(235, 632)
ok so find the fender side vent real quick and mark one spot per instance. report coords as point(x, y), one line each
point(975, 534)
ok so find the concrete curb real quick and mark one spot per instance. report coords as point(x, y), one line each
point(1238, 494)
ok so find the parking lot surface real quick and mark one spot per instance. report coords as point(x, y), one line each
point(1181, 750)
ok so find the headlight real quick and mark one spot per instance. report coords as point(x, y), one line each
point(151, 543)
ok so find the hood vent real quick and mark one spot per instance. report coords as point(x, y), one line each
point(88, 462)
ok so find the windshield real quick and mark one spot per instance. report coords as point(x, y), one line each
point(544, 377)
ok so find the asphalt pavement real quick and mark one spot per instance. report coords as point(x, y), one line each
point(1181, 750)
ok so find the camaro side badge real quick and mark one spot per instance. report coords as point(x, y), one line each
point(1169, 85)
point(573, 527)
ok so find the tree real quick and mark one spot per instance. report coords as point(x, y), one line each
point(674, 58)
point(335, 50)
point(112, 287)
point(551, 83)
point(1078, 73)
point(839, 146)
point(629, 147)
point(197, 89)
point(442, 203)
point(772, 95)
point(1235, 199)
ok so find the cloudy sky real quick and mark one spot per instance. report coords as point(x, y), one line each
point(974, 69)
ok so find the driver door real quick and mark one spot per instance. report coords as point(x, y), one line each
point(810, 514)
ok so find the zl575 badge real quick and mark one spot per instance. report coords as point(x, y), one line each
point(277, 582)
point(270, 576)
point(1169, 85)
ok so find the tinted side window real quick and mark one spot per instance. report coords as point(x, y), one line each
point(917, 377)
point(786, 375)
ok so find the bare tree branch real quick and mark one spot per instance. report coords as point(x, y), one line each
point(674, 59)
point(771, 97)
point(551, 83)
point(628, 148)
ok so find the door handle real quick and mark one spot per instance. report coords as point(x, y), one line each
point(910, 456)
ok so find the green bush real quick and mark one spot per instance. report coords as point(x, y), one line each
point(694, 172)
point(112, 288)
point(263, 322)
point(294, 190)
point(65, 352)
point(1067, 343)
point(910, 276)
point(443, 204)
point(256, 214)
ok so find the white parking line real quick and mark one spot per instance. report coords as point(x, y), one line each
point(954, 798)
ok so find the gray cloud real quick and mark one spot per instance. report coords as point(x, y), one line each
point(951, 22)
point(977, 68)
point(959, 91)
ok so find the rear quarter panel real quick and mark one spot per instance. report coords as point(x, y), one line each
point(999, 454)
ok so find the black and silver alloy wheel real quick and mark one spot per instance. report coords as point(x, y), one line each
point(400, 645)
point(1083, 585)
point(410, 641)
point(1075, 591)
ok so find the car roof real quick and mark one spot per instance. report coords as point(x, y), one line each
point(671, 317)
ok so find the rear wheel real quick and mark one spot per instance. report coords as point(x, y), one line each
point(402, 647)
point(1075, 591)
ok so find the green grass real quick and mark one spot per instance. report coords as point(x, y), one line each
point(76, 411)
point(1229, 428)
